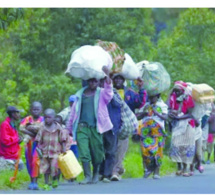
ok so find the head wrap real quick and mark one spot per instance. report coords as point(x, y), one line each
point(181, 85)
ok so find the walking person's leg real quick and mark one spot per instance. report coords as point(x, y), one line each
point(110, 151)
point(54, 172)
point(209, 150)
point(84, 152)
point(96, 151)
point(204, 148)
point(199, 155)
point(122, 147)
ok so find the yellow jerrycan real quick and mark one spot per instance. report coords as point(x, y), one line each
point(69, 165)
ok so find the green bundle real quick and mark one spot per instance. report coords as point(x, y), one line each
point(156, 78)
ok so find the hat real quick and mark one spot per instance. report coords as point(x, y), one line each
point(72, 98)
point(12, 109)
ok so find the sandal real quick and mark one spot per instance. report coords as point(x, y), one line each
point(147, 174)
point(156, 177)
point(31, 186)
point(178, 173)
point(47, 187)
point(191, 173)
point(54, 183)
point(201, 169)
point(186, 174)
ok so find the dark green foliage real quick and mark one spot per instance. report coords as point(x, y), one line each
point(36, 46)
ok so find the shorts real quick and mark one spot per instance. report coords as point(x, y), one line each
point(49, 166)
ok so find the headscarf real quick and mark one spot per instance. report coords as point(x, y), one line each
point(178, 85)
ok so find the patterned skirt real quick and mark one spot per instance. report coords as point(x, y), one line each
point(182, 147)
point(152, 143)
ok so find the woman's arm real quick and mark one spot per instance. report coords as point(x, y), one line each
point(141, 115)
point(163, 116)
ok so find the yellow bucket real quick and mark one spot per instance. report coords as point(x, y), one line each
point(69, 165)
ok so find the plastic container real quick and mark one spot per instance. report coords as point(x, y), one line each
point(203, 93)
point(69, 165)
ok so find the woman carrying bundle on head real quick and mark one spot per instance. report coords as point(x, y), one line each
point(183, 125)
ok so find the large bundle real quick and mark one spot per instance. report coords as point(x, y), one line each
point(198, 91)
point(130, 70)
point(87, 62)
point(156, 78)
point(203, 93)
point(116, 53)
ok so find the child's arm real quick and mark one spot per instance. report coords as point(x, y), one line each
point(28, 132)
point(63, 146)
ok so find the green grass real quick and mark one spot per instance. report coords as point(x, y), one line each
point(132, 164)
point(22, 178)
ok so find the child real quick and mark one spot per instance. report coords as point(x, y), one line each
point(51, 141)
point(152, 133)
point(68, 138)
point(29, 126)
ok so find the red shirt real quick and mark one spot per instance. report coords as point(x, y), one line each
point(186, 104)
point(9, 146)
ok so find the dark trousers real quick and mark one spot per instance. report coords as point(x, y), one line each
point(110, 147)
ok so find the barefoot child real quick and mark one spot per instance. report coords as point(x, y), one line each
point(29, 126)
point(51, 142)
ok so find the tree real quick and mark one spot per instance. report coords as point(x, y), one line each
point(188, 52)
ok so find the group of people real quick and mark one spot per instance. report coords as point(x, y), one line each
point(91, 125)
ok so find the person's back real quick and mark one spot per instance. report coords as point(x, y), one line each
point(9, 138)
point(9, 147)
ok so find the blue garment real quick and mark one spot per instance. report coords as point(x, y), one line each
point(135, 100)
point(114, 110)
point(74, 148)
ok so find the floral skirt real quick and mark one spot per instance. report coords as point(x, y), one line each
point(152, 143)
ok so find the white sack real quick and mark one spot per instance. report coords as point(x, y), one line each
point(129, 70)
point(87, 62)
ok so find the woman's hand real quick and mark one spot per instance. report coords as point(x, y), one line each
point(139, 83)
point(172, 115)
point(106, 70)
